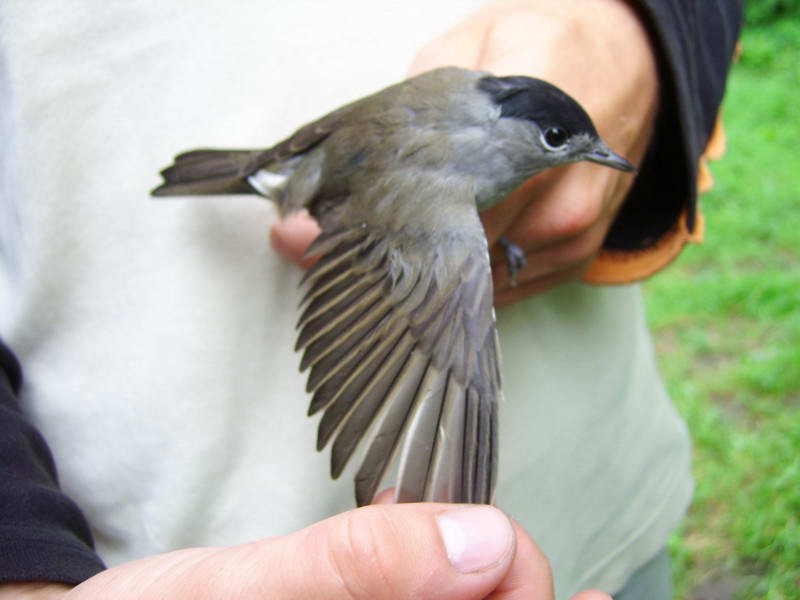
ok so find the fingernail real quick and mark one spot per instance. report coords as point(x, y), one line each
point(476, 537)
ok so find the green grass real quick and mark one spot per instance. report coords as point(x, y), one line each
point(726, 319)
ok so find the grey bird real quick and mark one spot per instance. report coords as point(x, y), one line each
point(397, 326)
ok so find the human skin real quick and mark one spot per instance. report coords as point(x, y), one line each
point(599, 52)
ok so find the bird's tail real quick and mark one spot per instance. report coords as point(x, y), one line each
point(209, 172)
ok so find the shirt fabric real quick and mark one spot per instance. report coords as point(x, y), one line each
point(157, 335)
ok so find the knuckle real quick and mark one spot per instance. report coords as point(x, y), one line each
point(553, 24)
point(427, 53)
point(576, 218)
point(363, 556)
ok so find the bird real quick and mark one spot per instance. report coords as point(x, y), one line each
point(397, 327)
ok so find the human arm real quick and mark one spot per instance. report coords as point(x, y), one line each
point(599, 52)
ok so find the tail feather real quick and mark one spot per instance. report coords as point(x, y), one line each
point(209, 172)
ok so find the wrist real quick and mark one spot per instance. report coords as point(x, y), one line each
point(623, 43)
point(33, 590)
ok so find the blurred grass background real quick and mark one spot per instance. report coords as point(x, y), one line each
point(726, 319)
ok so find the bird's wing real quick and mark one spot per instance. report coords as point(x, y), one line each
point(398, 332)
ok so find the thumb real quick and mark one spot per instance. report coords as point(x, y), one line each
point(292, 235)
point(442, 551)
point(390, 551)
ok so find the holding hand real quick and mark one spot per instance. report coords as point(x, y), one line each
point(378, 552)
point(599, 53)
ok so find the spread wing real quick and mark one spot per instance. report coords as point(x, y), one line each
point(398, 332)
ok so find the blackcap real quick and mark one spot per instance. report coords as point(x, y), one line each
point(398, 328)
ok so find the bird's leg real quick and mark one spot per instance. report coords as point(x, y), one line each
point(515, 258)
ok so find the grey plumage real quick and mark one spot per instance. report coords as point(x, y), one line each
point(397, 329)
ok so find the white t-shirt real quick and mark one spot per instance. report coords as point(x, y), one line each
point(157, 335)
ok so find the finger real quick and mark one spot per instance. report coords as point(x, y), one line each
point(458, 49)
point(385, 497)
point(510, 49)
point(510, 295)
point(499, 218)
point(292, 235)
point(567, 203)
point(563, 256)
point(462, 46)
point(449, 552)
point(389, 551)
point(561, 235)
point(529, 576)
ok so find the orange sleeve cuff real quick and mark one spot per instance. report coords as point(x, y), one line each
point(614, 267)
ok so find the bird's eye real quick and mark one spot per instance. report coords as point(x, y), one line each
point(555, 137)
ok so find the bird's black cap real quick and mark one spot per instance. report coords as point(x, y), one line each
point(522, 97)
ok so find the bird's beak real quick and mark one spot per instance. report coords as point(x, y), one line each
point(603, 155)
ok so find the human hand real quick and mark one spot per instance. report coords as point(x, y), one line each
point(376, 552)
point(599, 53)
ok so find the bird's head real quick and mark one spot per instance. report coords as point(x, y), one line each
point(557, 127)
